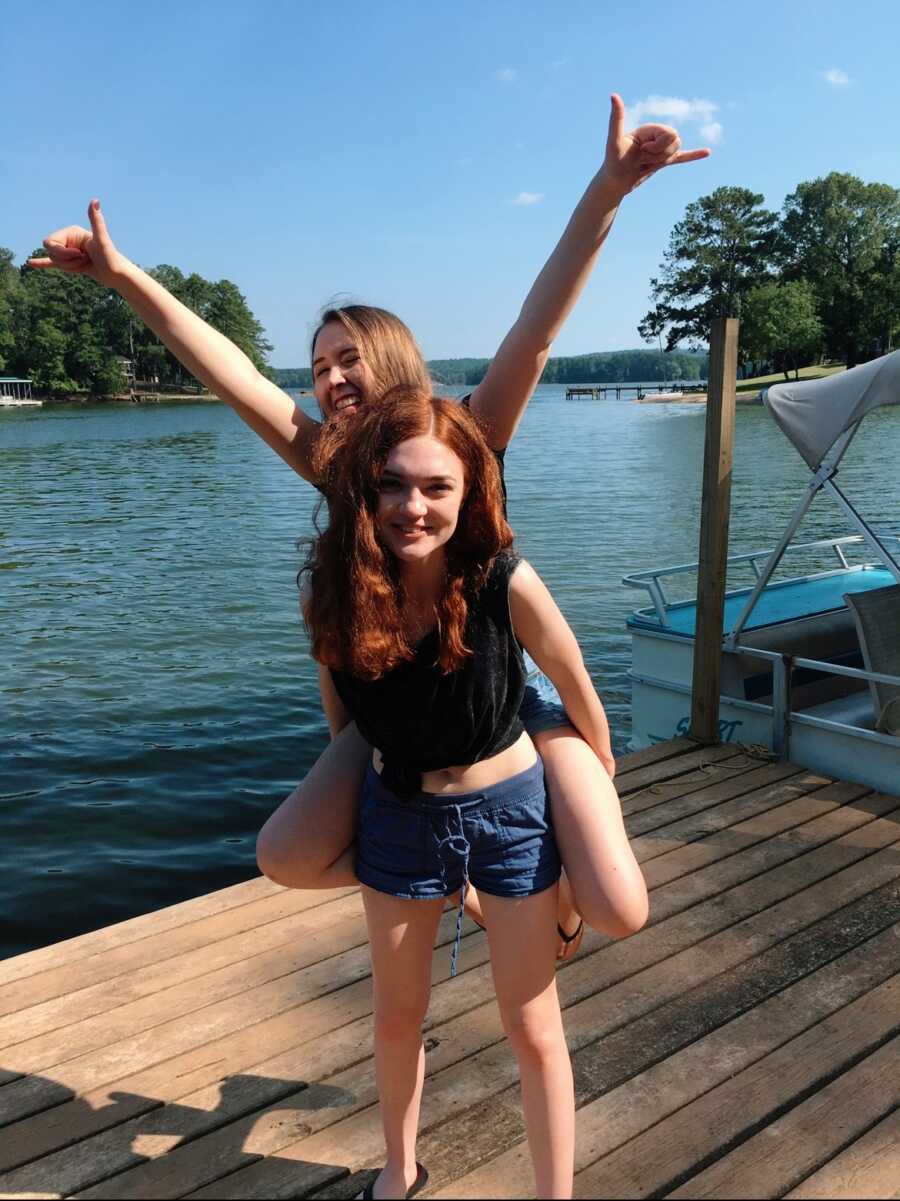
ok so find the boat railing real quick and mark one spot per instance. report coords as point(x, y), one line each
point(652, 580)
point(782, 675)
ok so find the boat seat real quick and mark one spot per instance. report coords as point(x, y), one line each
point(854, 710)
point(877, 616)
point(831, 637)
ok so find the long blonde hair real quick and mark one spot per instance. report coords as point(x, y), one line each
point(386, 344)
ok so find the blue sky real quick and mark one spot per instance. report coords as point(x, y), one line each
point(375, 151)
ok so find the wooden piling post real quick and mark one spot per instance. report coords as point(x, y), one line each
point(714, 515)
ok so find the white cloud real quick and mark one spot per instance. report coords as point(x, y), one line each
point(712, 132)
point(558, 64)
point(675, 110)
point(529, 198)
point(507, 74)
point(836, 77)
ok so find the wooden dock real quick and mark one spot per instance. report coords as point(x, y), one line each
point(596, 391)
point(744, 1044)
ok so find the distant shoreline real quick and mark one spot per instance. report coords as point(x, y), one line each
point(82, 398)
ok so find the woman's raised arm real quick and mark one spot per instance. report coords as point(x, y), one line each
point(202, 350)
point(631, 158)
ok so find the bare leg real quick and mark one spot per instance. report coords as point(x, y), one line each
point(308, 842)
point(401, 934)
point(522, 937)
point(568, 919)
point(606, 880)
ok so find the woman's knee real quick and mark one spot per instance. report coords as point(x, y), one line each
point(535, 1037)
point(618, 914)
point(286, 856)
point(400, 1022)
point(269, 858)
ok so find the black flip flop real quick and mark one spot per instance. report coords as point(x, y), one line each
point(568, 939)
point(417, 1185)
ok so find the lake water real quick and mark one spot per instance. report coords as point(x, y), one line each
point(157, 699)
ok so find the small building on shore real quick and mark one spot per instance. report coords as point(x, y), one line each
point(15, 392)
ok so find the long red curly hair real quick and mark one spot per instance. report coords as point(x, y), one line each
point(354, 605)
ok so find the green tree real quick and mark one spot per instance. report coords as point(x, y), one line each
point(47, 345)
point(66, 333)
point(296, 377)
point(69, 334)
point(843, 236)
point(229, 313)
point(10, 294)
point(221, 304)
point(780, 325)
point(720, 249)
point(616, 366)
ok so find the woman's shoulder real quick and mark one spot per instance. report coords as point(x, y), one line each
point(505, 566)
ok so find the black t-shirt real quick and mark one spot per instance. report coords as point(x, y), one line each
point(422, 719)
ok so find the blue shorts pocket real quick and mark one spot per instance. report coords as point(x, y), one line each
point(392, 833)
point(529, 850)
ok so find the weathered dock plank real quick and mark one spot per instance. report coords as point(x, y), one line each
point(476, 1075)
point(654, 1161)
point(72, 950)
point(817, 1128)
point(629, 1109)
point(233, 1056)
point(870, 1167)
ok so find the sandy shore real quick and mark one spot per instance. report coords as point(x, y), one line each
point(693, 398)
point(672, 398)
point(86, 398)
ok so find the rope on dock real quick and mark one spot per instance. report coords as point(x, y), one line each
point(748, 752)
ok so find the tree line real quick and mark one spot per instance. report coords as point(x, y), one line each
point(820, 279)
point(614, 366)
point(69, 334)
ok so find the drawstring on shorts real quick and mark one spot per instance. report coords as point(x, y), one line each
point(457, 844)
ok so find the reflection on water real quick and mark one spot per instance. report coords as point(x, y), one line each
point(159, 700)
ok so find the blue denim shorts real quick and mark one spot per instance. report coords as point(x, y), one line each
point(431, 845)
point(541, 708)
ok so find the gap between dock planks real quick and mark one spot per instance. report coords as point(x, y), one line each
point(639, 1116)
point(131, 967)
point(263, 1143)
point(870, 1167)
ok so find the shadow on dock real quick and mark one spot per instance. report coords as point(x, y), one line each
point(744, 1043)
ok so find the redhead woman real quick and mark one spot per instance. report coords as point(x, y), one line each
point(358, 354)
point(418, 611)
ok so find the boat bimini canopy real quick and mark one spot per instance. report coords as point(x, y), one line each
point(814, 413)
point(820, 417)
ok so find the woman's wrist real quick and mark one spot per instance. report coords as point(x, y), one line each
point(606, 187)
point(124, 274)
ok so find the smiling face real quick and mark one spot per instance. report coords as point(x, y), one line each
point(342, 379)
point(420, 493)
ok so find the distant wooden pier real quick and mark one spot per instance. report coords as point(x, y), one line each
point(743, 1044)
point(596, 391)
